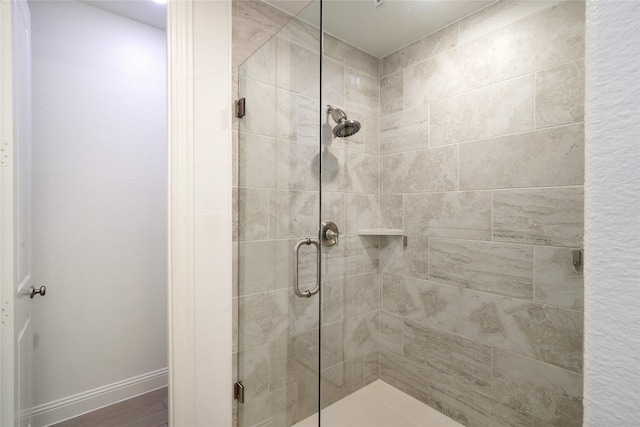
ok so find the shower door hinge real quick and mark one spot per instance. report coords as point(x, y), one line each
point(238, 391)
point(240, 108)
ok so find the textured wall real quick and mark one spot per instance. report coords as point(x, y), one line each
point(612, 229)
point(99, 187)
point(482, 164)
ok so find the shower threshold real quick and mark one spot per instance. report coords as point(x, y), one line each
point(379, 405)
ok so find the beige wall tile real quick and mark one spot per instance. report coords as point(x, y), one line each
point(549, 334)
point(422, 49)
point(361, 92)
point(533, 159)
point(371, 129)
point(405, 131)
point(351, 56)
point(247, 37)
point(558, 282)
point(362, 212)
point(257, 161)
point(253, 213)
point(341, 380)
point(491, 267)
point(426, 304)
point(433, 169)
point(549, 393)
point(560, 94)
point(411, 378)
point(465, 215)
point(391, 332)
point(262, 318)
point(490, 111)
point(262, 14)
point(361, 334)
point(391, 206)
point(466, 361)
point(371, 367)
point(293, 214)
point(411, 261)
point(553, 216)
point(391, 93)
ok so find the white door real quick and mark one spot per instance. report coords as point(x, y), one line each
point(15, 133)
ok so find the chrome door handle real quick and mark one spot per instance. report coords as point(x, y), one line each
point(40, 291)
point(296, 249)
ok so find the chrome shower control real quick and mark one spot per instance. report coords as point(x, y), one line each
point(329, 233)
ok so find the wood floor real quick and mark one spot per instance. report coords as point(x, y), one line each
point(148, 410)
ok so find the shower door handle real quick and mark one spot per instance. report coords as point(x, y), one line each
point(296, 249)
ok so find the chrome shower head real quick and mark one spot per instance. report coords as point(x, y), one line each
point(344, 127)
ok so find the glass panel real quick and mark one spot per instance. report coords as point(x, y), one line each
point(278, 203)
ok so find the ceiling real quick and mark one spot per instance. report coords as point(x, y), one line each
point(376, 30)
point(387, 28)
point(146, 11)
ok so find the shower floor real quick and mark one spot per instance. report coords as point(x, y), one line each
point(379, 405)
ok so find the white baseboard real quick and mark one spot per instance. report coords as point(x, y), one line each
point(82, 403)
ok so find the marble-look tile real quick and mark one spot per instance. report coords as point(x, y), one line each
point(235, 137)
point(262, 318)
point(411, 261)
point(405, 131)
point(262, 64)
point(257, 160)
point(362, 294)
point(433, 169)
point(537, 422)
point(341, 380)
point(276, 408)
point(332, 82)
point(297, 68)
point(303, 312)
point(298, 117)
point(293, 214)
point(541, 158)
point(557, 281)
point(353, 255)
point(544, 39)
point(420, 50)
point(498, 15)
point(392, 93)
point(253, 370)
point(333, 209)
point(362, 211)
point(405, 375)
point(246, 38)
point(308, 396)
point(371, 367)
point(455, 71)
point(293, 165)
point(333, 349)
point(301, 33)
point(253, 214)
point(464, 215)
point(351, 56)
point(333, 299)
point(549, 393)
point(391, 206)
point(361, 92)
point(490, 111)
point(263, 266)
point(234, 324)
point(302, 356)
point(263, 14)
point(491, 267)
point(549, 334)
point(391, 333)
point(235, 214)
point(471, 408)
point(261, 117)
point(560, 94)
point(552, 216)
point(466, 361)
point(278, 363)
point(350, 171)
point(426, 304)
point(361, 334)
point(371, 134)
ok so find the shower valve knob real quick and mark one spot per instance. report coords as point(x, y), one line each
point(329, 233)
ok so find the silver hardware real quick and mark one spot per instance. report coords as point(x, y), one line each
point(240, 107)
point(41, 291)
point(238, 391)
point(405, 241)
point(329, 233)
point(577, 258)
point(296, 249)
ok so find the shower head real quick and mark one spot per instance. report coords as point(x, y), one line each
point(344, 127)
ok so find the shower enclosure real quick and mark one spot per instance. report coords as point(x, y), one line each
point(408, 209)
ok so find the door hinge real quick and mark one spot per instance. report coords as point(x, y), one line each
point(238, 391)
point(240, 108)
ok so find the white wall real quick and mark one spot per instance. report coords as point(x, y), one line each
point(612, 215)
point(99, 115)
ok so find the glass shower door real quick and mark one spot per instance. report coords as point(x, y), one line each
point(277, 196)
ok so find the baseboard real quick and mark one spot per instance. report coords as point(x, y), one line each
point(82, 403)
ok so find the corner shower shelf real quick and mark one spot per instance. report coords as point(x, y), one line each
point(381, 232)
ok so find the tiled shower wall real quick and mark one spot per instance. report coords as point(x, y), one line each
point(482, 146)
point(478, 157)
point(277, 200)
